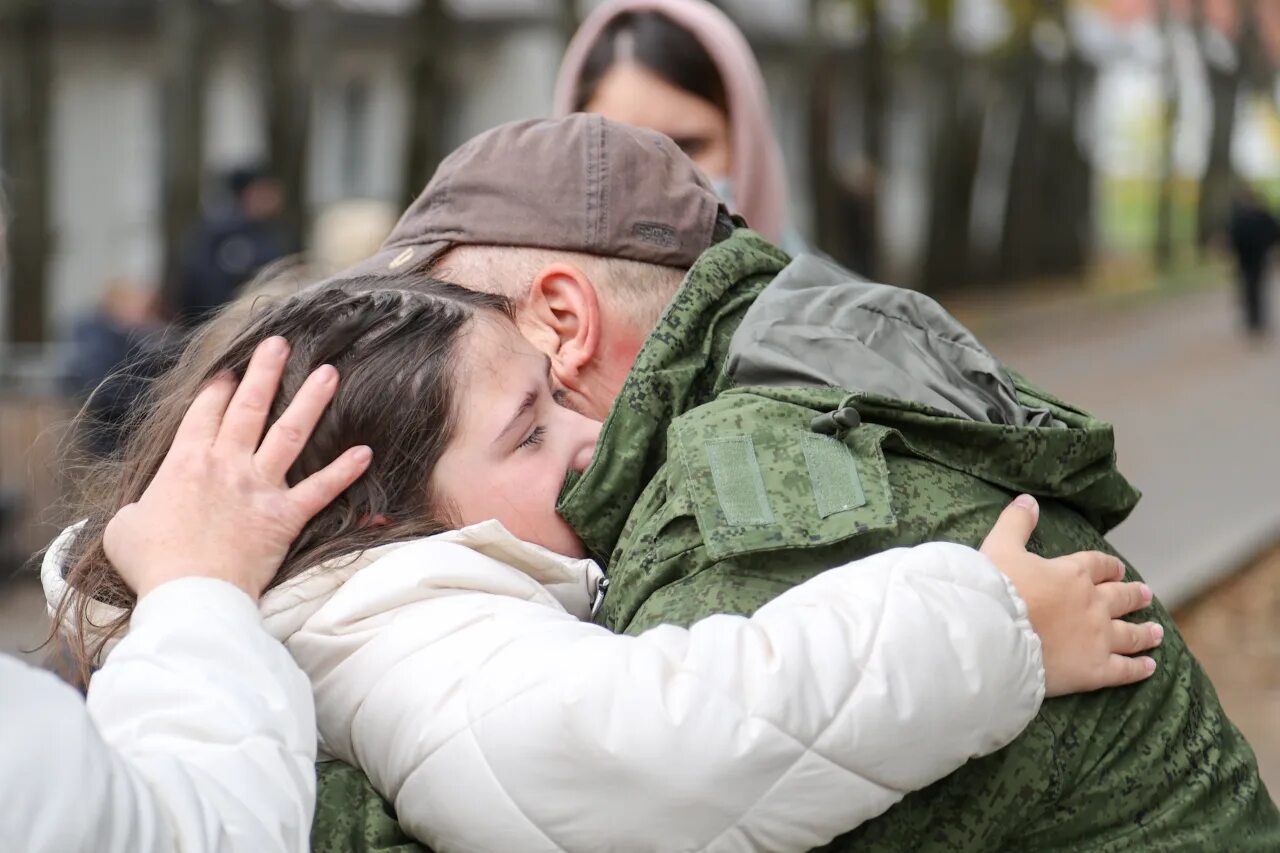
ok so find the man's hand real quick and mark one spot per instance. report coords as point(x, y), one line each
point(1075, 603)
point(219, 505)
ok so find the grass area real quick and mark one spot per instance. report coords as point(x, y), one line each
point(1122, 275)
point(1127, 214)
point(1127, 230)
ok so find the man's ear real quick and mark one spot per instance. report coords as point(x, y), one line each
point(561, 317)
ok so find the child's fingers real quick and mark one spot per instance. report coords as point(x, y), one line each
point(199, 426)
point(1014, 527)
point(1100, 566)
point(1121, 670)
point(246, 415)
point(1122, 599)
point(318, 491)
point(287, 436)
point(1129, 639)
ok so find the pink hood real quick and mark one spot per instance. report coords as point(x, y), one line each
point(759, 182)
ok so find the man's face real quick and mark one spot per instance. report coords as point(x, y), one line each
point(590, 386)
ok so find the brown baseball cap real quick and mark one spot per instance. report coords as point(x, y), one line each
point(580, 183)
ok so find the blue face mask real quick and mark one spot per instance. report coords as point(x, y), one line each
point(723, 187)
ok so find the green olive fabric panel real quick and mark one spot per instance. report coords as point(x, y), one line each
point(833, 474)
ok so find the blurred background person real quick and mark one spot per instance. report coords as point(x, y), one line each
point(1253, 232)
point(114, 352)
point(682, 68)
point(233, 242)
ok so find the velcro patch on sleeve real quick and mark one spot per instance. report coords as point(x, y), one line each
point(740, 462)
point(833, 473)
point(739, 485)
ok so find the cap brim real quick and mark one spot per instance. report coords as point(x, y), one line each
point(396, 261)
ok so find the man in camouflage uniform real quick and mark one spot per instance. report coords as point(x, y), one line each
point(784, 417)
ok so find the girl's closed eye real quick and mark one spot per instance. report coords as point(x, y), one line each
point(534, 437)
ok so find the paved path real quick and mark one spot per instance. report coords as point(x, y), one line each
point(1197, 415)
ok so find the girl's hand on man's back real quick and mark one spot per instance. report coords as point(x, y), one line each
point(219, 505)
point(1075, 604)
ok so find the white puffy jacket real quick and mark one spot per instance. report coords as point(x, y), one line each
point(198, 736)
point(460, 674)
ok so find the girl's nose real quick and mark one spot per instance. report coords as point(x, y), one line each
point(585, 434)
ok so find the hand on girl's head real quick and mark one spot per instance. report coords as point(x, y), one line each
point(219, 505)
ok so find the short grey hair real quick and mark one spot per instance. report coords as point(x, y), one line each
point(639, 291)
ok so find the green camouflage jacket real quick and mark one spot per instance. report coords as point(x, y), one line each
point(710, 498)
point(704, 498)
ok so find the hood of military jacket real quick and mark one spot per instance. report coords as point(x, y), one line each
point(907, 364)
point(678, 368)
point(818, 325)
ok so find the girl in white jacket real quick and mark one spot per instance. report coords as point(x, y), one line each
point(441, 609)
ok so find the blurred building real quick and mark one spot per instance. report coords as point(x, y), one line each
point(107, 123)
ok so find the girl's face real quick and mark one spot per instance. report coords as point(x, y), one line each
point(514, 443)
point(634, 95)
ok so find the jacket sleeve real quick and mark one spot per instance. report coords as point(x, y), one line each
point(495, 723)
point(199, 735)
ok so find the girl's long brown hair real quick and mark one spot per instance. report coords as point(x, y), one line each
point(394, 345)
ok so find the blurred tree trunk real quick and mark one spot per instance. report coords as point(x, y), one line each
point(829, 235)
point(1048, 219)
point(1258, 72)
point(1223, 75)
point(829, 230)
point(428, 67)
point(25, 48)
point(289, 55)
point(1023, 206)
point(954, 146)
point(873, 73)
point(1169, 127)
point(183, 39)
point(845, 200)
point(1067, 168)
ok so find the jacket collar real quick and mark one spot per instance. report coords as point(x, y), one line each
point(678, 368)
point(285, 609)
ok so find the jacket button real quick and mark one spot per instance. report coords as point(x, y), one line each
point(838, 421)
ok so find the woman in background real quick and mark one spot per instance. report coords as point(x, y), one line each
point(682, 68)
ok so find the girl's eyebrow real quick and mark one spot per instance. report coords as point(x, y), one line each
point(525, 405)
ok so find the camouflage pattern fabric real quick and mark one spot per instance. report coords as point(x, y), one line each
point(352, 816)
point(1155, 766)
